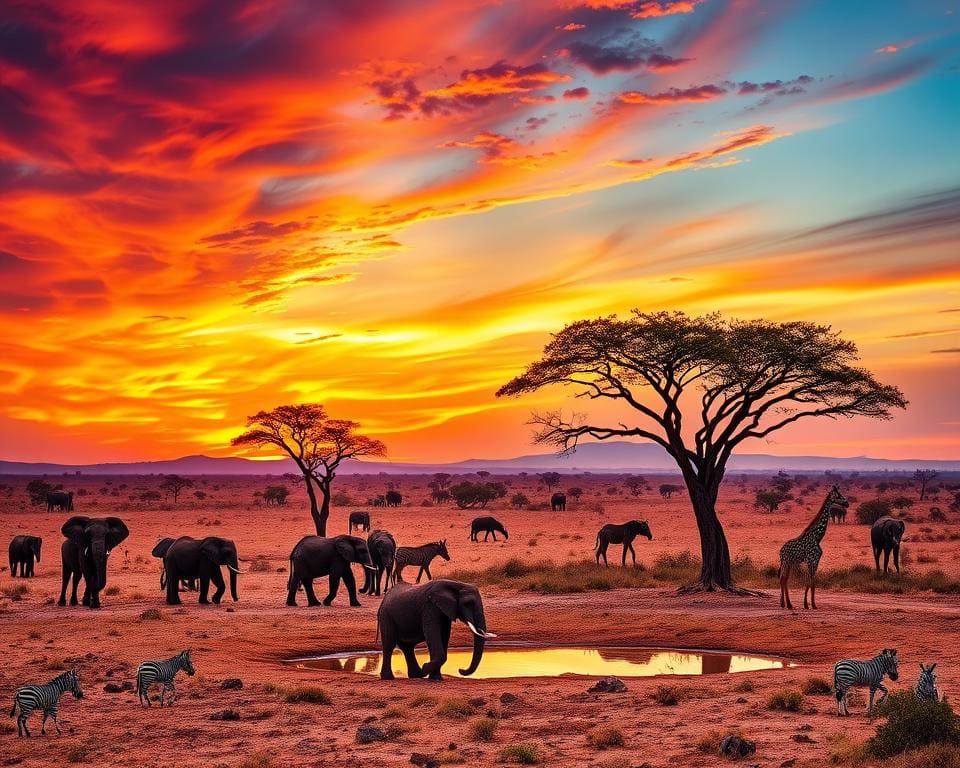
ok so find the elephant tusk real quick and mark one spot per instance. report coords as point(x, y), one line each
point(370, 567)
point(235, 570)
point(478, 633)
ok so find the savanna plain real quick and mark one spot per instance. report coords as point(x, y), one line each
point(539, 587)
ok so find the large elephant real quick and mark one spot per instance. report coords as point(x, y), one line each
point(359, 520)
point(189, 558)
point(558, 502)
point(886, 535)
point(393, 499)
point(85, 552)
point(316, 556)
point(383, 553)
point(411, 614)
point(60, 500)
point(160, 551)
point(23, 551)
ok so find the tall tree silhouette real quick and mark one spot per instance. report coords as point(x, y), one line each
point(732, 380)
point(316, 443)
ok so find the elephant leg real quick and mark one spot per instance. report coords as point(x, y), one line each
point(63, 586)
point(13, 567)
point(350, 582)
point(173, 586)
point(886, 559)
point(335, 587)
point(414, 670)
point(386, 663)
point(623, 556)
point(217, 577)
point(73, 592)
point(876, 556)
point(204, 588)
point(896, 558)
point(292, 589)
point(311, 595)
point(94, 598)
point(437, 636)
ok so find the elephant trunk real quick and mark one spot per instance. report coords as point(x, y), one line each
point(480, 634)
point(98, 555)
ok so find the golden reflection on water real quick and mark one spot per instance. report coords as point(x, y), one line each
point(554, 662)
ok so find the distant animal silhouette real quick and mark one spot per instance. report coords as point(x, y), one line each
point(886, 535)
point(359, 520)
point(60, 500)
point(621, 534)
point(851, 673)
point(805, 550)
point(490, 525)
point(378, 501)
point(421, 556)
point(838, 514)
point(393, 499)
point(558, 502)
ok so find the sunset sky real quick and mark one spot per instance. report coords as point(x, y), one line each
point(208, 208)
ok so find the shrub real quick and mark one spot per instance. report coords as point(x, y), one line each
point(423, 700)
point(15, 591)
point(668, 695)
point(605, 737)
point(523, 754)
point(112, 591)
point(870, 511)
point(456, 707)
point(307, 694)
point(78, 753)
point(744, 686)
point(483, 729)
point(817, 686)
point(786, 701)
point(933, 756)
point(911, 724)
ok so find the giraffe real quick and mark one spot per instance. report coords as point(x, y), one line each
point(805, 549)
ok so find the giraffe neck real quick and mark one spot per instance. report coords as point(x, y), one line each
point(819, 527)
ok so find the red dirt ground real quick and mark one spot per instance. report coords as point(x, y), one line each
point(250, 639)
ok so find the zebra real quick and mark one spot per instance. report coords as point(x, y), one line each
point(163, 672)
point(421, 556)
point(926, 687)
point(45, 697)
point(851, 673)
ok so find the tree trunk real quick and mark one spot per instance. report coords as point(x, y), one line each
point(320, 517)
point(314, 511)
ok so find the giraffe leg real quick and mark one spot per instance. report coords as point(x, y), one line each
point(813, 591)
point(785, 583)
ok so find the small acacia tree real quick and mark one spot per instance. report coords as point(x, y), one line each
point(316, 443)
point(732, 381)
point(922, 478)
point(174, 484)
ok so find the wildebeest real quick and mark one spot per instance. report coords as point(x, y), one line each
point(489, 525)
point(621, 534)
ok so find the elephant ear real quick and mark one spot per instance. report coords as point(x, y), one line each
point(117, 531)
point(346, 550)
point(445, 598)
point(162, 546)
point(210, 548)
point(74, 528)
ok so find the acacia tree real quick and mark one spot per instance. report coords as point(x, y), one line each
point(734, 380)
point(922, 478)
point(174, 484)
point(316, 443)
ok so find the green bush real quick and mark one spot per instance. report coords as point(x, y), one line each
point(911, 724)
point(786, 701)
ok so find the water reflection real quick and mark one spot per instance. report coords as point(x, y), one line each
point(554, 662)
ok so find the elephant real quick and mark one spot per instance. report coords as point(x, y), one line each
point(188, 558)
point(886, 535)
point(85, 552)
point(359, 520)
point(315, 556)
point(160, 551)
point(379, 501)
point(60, 500)
point(393, 499)
point(383, 553)
point(488, 524)
point(23, 551)
point(411, 614)
point(558, 502)
point(621, 534)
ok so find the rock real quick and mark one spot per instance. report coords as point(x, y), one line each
point(231, 683)
point(735, 747)
point(609, 685)
point(227, 714)
point(789, 763)
point(508, 698)
point(805, 727)
point(477, 702)
point(802, 738)
point(367, 734)
point(424, 761)
point(113, 688)
point(151, 614)
point(741, 700)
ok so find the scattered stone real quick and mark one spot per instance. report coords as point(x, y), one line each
point(231, 683)
point(451, 747)
point(113, 688)
point(424, 761)
point(151, 614)
point(231, 610)
point(735, 747)
point(805, 727)
point(226, 714)
point(609, 685)
point(508, 698)
point(802, 738)
point(789, 763)
point(741, 700)
point(477, 702)
point(367, 734)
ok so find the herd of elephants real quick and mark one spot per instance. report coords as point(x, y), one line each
point(409, 614)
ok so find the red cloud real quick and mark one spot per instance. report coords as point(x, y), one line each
point(651, 10)
point(577, 93)
point(674, 95)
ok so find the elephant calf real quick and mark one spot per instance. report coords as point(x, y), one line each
point(316, 556)
point(383, 552)
point(23, 551)
point(885, 536)
point(411, 614)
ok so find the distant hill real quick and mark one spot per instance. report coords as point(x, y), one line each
point(591, 457)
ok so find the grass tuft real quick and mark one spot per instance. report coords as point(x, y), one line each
point(456, 708)
point(603, 737)
point(307, 694)
point(521, 754)
point(786, 701)
point(483, 729)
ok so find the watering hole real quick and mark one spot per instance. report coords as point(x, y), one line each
point(504, 662)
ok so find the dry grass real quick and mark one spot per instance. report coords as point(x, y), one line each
point(668, 695)
point(14, 592)
point(786, 701)
point(483, 729)
point(306, 694)
point(258, 760)
point(521, 754)
point(817, 686)
point(604, 737)
point(456, 708)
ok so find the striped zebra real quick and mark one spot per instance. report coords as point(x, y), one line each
point(926, 687)
point(851, 673)
point(163, 672)
point(45, 697)
point(421, 556)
